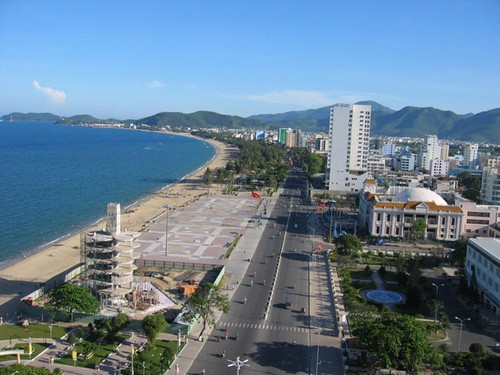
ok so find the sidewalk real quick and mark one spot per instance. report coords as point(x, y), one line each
point(237, 268)
point(325, 337)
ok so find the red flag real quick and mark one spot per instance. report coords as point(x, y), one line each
point(255, 195)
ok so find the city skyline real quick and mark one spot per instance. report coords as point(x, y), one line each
point(130, 60)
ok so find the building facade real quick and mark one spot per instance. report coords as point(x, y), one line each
point(438, 167)
point(348, 142)
point(490, 185)
point(479, 219)
point(482, 267)
point(394, 216)
point(431, 149)
point(471, 155)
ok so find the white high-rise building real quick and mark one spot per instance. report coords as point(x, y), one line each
point(439, 167)
point(490, 185)
point(471, 155)
point(431, 149)
point(348, 141)
point(445, 151)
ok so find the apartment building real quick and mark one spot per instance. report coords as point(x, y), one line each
point(348, 143)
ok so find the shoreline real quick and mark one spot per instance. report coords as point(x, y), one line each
point(61, 254)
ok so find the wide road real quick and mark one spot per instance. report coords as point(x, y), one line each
point(265, 326)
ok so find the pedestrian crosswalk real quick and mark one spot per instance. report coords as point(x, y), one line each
point(275, 327)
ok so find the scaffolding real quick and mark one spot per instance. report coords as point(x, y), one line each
point(108, 256)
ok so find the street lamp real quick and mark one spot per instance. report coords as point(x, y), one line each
point(460, 335)
point(168, 207)
point(178, 340)
point(435, 305)
point(50, 329)
point(132, 349)
point(312, 239)
point(238, 364)
point(317, 352)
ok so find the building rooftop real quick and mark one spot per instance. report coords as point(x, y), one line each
point(488, 245)
point(419, 195)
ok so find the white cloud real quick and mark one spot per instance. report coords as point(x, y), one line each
point(156, 84)
point(293, 97)
point(55, 96)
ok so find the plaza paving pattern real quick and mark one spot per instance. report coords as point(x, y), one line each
point(200, 232)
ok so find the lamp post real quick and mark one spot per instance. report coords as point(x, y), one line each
point(178, 341)
point(168, 207)
point(238, 364)
point(460, 335)
point(435, 305)
point(132, 352)
point(50, 329)
point(317, 352)
point(312, 238)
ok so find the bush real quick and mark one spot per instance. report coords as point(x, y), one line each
point(72, 339)
point(382, 271)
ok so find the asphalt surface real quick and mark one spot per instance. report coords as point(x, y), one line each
point(269, 329)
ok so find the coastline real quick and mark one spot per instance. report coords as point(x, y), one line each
point(61, 254)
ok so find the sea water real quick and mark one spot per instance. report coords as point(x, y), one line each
point(56, 180)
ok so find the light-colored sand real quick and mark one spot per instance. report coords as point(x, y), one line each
point(61, 256)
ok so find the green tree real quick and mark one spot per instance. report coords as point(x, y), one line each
point(459, 253)
point(419, 227)
point(70, 298)
point(396, 340)
point(25, 370)
point(208, 176)
point(152, 325)
point(204, 303)
point(348, 244)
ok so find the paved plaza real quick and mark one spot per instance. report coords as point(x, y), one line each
point(200, 232)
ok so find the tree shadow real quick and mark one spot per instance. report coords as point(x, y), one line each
point(292, 358)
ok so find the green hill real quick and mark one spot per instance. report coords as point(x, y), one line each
point(42, 117)
point(200, 119)
point(409, 121)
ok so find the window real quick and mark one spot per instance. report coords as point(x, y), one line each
point(378, 217)
point(388, 230)
point(388, 217)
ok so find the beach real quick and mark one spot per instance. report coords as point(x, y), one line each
point(21, 277)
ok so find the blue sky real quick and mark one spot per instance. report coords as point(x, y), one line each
point(131, 59)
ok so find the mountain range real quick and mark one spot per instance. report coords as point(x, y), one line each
point(406, 122)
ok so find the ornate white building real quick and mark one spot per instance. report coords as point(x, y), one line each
point(392, 213)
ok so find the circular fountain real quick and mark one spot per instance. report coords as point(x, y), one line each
point(384, 297)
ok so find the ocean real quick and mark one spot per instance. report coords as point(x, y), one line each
point(56, 180)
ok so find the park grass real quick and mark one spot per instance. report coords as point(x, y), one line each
point(101, 352)
point(37, 349)
point(154, 359)
point(11, 331)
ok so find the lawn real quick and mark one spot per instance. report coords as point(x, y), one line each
point(154, 359)
point(11, 331)
point(37, 349)
point(101, 352)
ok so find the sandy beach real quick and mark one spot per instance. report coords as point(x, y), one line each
point(61, 256)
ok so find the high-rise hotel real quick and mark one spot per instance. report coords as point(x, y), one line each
point(348, 139)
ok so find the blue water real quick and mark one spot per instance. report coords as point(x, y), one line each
point(56, 180)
